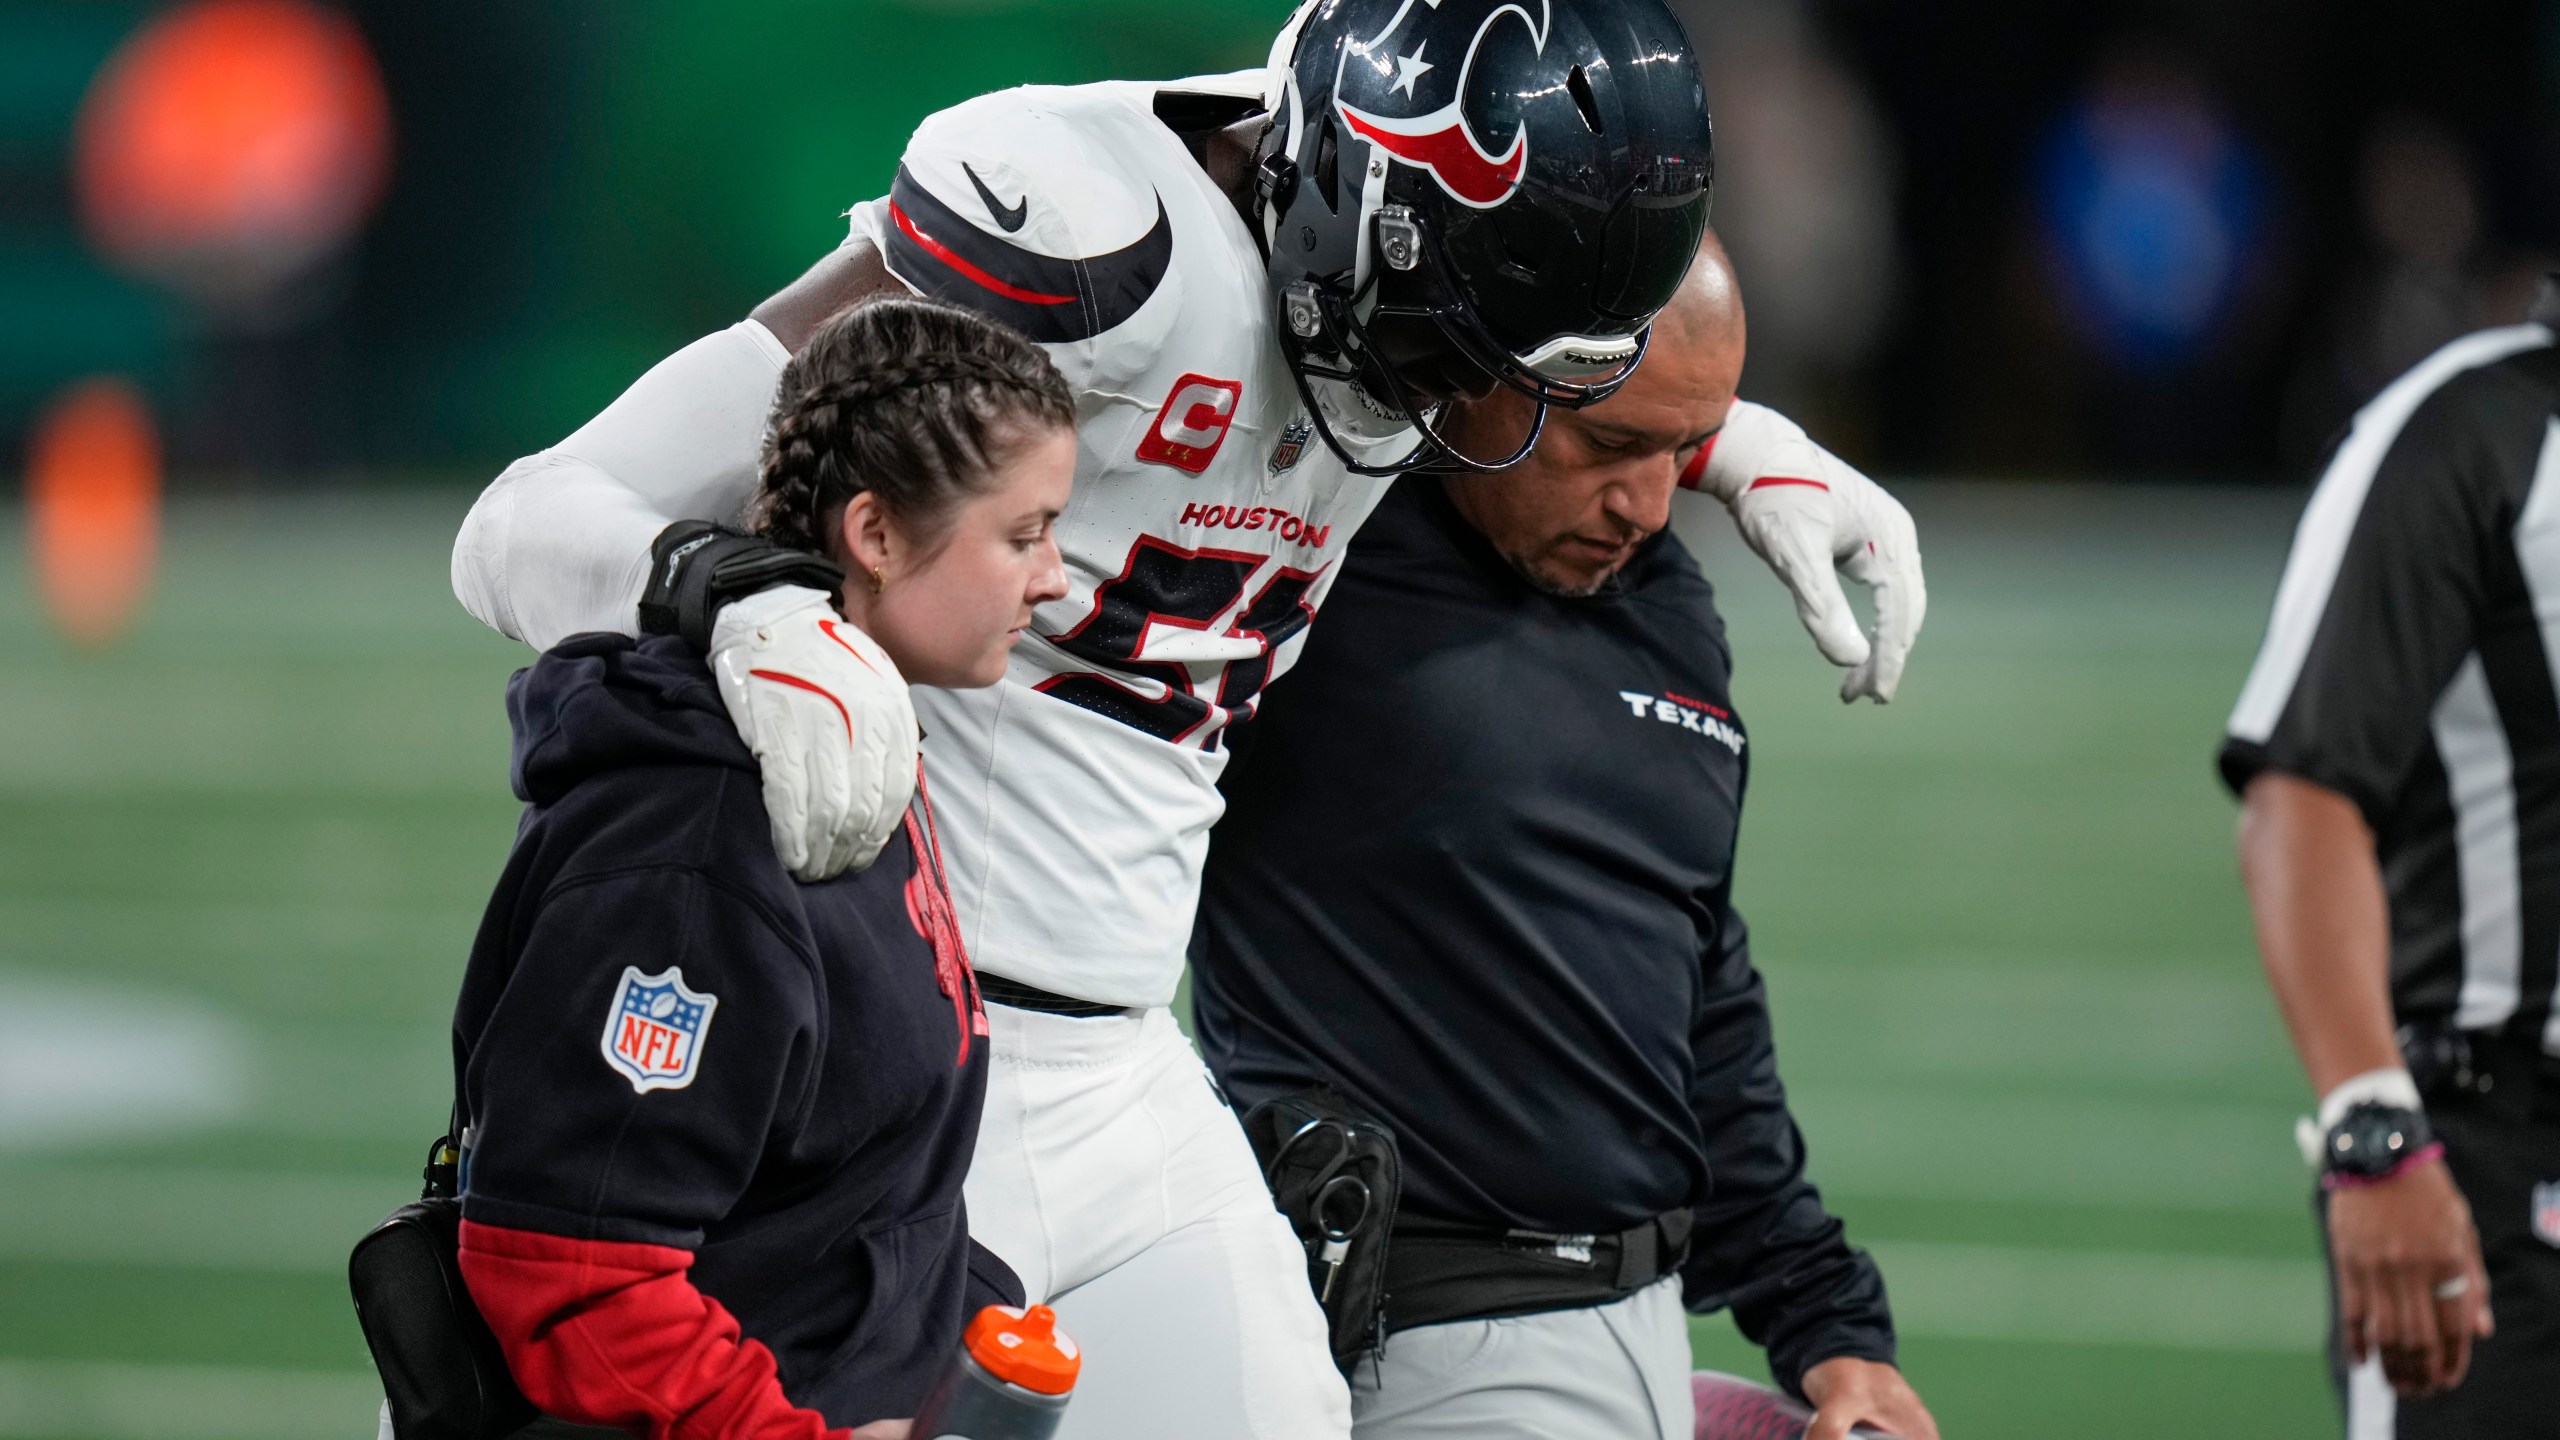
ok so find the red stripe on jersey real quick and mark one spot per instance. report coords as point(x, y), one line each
point(950, 257)
point(610, 1333)
point(1785, 480)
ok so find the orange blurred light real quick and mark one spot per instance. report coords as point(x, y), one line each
point(229, 144)
point(93, 508)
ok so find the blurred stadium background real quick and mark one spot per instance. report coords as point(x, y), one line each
point(2089, 285)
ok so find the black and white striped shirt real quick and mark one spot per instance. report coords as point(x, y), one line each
point(2410, 666)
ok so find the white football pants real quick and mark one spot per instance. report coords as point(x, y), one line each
point(1117, 1184)
point(1610, 1372)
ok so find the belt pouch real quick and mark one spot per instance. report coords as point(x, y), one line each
point(442, 1370)
point(1334, 1174)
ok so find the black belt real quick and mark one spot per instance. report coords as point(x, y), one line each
point(1435, 1276)
point(2486, 1068)
point(1014, 995)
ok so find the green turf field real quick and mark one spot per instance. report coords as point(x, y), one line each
point(241, 856)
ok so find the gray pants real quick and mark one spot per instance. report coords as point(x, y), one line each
point(1613, 1372)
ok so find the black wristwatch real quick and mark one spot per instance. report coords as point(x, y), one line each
point(2371, 1142)
point(695, 567)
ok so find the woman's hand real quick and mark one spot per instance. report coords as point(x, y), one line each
point(1846, 1391)
point(884, 1430)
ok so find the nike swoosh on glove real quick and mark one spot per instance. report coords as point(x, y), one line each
point(827, 714)
point(1813, 518)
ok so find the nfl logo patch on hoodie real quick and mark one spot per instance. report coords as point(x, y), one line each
point(655, 1028)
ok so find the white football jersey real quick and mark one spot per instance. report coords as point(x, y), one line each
point(1207, 525)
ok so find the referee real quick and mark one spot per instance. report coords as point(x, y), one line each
point(1475, 877)
point(2397, 751)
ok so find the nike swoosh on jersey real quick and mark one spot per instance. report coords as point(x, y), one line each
point(1010, 219)
point(1054, 301)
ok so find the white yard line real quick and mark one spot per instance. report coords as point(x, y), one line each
point(83, 1063)
point(85, 1400)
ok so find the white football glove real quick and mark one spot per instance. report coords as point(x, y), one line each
point(1813, 517)
point(828, 717)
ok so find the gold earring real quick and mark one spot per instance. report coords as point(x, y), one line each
point(879, 581)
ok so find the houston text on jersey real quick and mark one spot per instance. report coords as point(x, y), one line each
point(1259, 517)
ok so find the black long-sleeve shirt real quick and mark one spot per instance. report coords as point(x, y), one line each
point(1476, 872)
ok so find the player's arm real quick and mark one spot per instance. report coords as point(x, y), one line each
point(560, 543)
point(2376, 613)
point(852, 271)
point(613, 529)
point(1813, 517)
point(1763, 1244)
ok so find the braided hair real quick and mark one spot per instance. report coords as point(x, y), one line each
point(918, 402)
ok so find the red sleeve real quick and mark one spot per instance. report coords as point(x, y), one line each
point(604, 1332)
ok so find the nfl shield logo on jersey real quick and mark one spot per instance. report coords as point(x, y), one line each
point(654, 1030)
point(1293, 443)
point(2546, 1213)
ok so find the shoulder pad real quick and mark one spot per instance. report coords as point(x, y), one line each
point(1020, 206)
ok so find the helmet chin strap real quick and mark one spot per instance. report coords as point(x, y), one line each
point(1449, 450)
point(1431, 449)
point(1344, 337)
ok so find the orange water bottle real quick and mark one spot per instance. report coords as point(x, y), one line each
point(1011, 1379)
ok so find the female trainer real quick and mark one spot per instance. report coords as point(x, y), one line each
point(718, 1119)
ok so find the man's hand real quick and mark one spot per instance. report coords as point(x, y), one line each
point(1847, 1391)
point(2410, 1283)
point(828, 717)
point(884, 1430)
point(1813, 518)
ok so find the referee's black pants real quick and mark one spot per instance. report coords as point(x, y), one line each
point(2499, 1147)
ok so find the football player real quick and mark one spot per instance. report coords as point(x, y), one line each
point(1262, 288)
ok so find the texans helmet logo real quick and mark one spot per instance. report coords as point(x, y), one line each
point(1440, 140)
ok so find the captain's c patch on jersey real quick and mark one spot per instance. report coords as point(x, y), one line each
point(655, 1028)
point(1187, 432)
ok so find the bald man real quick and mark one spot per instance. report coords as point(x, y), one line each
point(1474, 884)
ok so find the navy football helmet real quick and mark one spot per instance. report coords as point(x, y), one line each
point(1458, 189)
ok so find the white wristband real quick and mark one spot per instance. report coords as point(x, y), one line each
point(2392, 1087)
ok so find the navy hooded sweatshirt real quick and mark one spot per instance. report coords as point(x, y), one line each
point(719, 1119)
